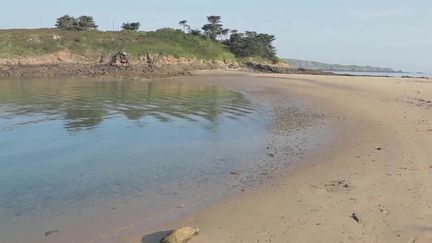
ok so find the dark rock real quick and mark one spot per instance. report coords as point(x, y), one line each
point(48, 233)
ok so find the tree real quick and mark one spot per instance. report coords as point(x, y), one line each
point(67, 22)
point(83, 23)
point(213, 29)
point(186, 27)
point(252, 44)
point(131, 26)
point(87, 23)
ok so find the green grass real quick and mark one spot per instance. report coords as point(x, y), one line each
point(36, 42)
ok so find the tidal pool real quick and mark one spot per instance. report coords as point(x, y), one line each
point(72, 151)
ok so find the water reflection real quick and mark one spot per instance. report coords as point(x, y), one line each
point(75, 150)
point(84, 104)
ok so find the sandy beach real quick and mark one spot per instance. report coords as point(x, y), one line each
point(378, 166)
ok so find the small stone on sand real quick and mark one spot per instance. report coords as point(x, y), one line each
point(354, 216)
point(181, 235)
point(51, 232)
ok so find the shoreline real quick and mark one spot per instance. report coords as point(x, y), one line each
point(273, 172)
point(309, 125)
point(101, 71)
point(379, 168)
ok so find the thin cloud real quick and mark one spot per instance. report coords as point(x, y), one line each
point(373, 14)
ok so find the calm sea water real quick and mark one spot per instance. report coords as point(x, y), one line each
point(72, 150)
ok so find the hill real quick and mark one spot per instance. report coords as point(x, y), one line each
point(295, 63)
point(96, 44)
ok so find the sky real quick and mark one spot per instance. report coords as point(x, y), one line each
point(389, 33)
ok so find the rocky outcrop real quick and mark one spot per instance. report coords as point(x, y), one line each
point(283, 69)
point(120, 59)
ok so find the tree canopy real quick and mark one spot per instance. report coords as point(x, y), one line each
point(87, 23)
point(131, 26)
point(214, 28)
point(83, 23)
point(185, 26)
point(252, 44)
point(247, 44)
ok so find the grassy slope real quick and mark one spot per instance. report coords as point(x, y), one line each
point(35, 42)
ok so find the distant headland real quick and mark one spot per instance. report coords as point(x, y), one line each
point(296, 63)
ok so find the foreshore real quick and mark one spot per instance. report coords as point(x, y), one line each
point(378, 167)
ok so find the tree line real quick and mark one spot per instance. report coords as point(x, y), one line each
point(243, 45)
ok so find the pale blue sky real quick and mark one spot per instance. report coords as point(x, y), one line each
point(393, 33)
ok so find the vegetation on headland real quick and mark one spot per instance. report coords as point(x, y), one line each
point(93, 44)
point(80, 36)
point(295, 63)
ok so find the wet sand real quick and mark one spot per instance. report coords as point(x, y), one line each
point(378, 165)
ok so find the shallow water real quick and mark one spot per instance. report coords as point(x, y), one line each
point(72, 150)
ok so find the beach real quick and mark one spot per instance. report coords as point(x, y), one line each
point(378, 166)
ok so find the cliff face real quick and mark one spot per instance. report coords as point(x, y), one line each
point(66, 64)
point(335, 67)
point(67, 57)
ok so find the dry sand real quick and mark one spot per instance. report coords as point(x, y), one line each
point(379, 166)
